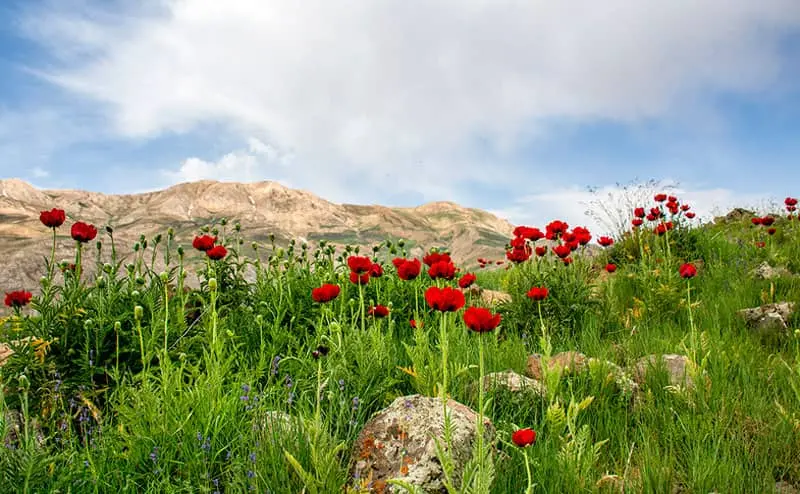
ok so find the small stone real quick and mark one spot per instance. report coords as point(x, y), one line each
point(513, 382)
point(769, 318)
point(570, 362)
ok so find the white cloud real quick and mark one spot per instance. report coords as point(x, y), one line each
point(245, 165)
point(366, 88)
point(612, 205)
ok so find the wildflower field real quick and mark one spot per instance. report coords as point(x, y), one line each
point(625, 364)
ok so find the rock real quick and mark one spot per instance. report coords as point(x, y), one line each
point(570, 362)
point(613, 372)
point(734, 215)
point(769, 318)
point(494, 297)
point(513, 382)
point(676, 366)
point(15, 434)
point(5, 353)
point(766, 272)
point(783, 487)
point(398, 442)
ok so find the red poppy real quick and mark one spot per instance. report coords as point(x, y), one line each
point(53, 218)
point(518, 255)
point(568, 237)
point(661, 229)
point(567, 261)
point(445, 299)
point(378, 311)
point(672, 199)
point(660, 197)
point(790, 201)
point(524, 437)
point(442, 269)
point(791, 208)
point(771, 231)
point(397, 261)
point(204, 243)
point(687, 270)
point(651, 217)
point(217, 252)
point(467, 280)
point(359, 264)
point(573, 246)
point(637, 222)
point(767, 220)
point(376, 271)
point(83, 232)
point(409, 270)
point(518, 242)
point(562, 251)
point(690, 215)
point(755, 221)
point(415, 324)
point(359, 279)
point(555, 229)
point(605, 241)
point(611, 267)
point(582, 235)
point(761, 245)
point(499, 262)
point(479, 319)
point(655, 212)
point(538, 293)
point(639, 212)
point(325, 293)
point(532, 234)
point(18, 298)
point(435, 257)
point(685, 207)
point(541, 250)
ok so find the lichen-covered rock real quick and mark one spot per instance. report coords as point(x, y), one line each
point(769, 319)
point(678, 368)
point(513, 382)
point(766, 272)
point(398, 442)
point(569, 362)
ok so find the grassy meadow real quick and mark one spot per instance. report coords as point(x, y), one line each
point(131, 383)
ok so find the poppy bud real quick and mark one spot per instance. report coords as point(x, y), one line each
point(212, 284)
point(138, 312)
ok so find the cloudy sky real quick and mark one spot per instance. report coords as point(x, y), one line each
point(512, 106)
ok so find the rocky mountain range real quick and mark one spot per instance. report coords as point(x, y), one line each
point(262, 208)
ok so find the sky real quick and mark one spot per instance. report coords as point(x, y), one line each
point(533, 110)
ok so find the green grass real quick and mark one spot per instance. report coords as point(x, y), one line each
point(138, 391)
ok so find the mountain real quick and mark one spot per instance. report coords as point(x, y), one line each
point(262, 208)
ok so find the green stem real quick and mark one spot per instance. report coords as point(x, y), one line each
point(529, 490)
point(480, 415)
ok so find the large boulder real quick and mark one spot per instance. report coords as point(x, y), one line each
point(399, 443)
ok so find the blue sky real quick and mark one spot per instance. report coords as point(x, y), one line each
point(514, 107)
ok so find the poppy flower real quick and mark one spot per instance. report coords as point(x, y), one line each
point(204, 243)
point(359, 264)
point(18, 298)
point(518, 255)
point(637, 222)
point(325, 293)
point(415, 324)
point(409, 270)
point(480, 320)
point(790, 201)
point(359, 279)
point(397, 261)
point(771, 231)
point(791, 208)
point(562, 250)
point(661, 229)
point(567, 261)
point(524, 437)
point(445, 299)
point(435, 257)
point(610, 267)
point(53, 218)
point(655, 212)
point(555, 229)
point(755, 221)
point(518, 242)
point(651, 217)
point(532, 234)
point(660, 197)
point(217, 252)
point(499, 262)
point(582, 235)
point(573, 246)
point(467, 280)
point(639, 212)
point(685, 207)
point(83, 232)
point(378, 311)
point(687, 270)
point(672, 199)
point(767, 220)
point(537, 293)
point(761, 245)
point(568, 237)
point(605, 241)
point(541, 250)
point(442, 269)
point(690, 215)
point(376, 271)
